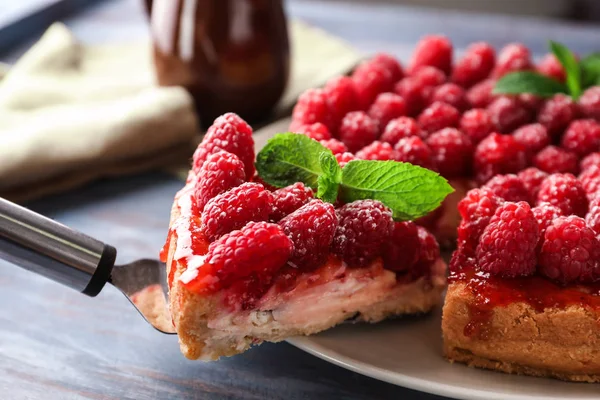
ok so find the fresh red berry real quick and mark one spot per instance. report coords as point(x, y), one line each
point(344, 158)
point(554, 159)
point(288, 199)
point(316, 131)
point(342, 98)
point(582, 137)
point(357, 130)
point(311, 107)
point(377, 151)
point(235, 208)
point(390, 63)
point(370, 79)
point(551, 67)
point(476, 210)
point(507, 246)
point(399, 128)
point(589, 161)
point(415, 151)
point(386, 107)
point(509, 187)
point(530, 101)
point(476, 64)
point(532, 178)
point(498, 154)
point(228, 133)
point(589, 103)
point(545, 214)
point(311, 229)
point(592, 218)
point(513, 57)
point(557, 113)
point(415, 93)
point(430, 76)
point(221, 172)
point(480, 95)
point(429, 253)
point(533, 137)
point(570, 251)
point(452, 151)
point(477, 124)
point(402, 249)
point(334, 145)
point(438, 116)
point(450, 93)
point(432, 50)
point(590, 181)
point(363, 227)
point(508, 114)
point(565, 192)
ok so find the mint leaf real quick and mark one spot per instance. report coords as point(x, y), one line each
point(528, 82)
point(590, 70)
point(288, 158)
point(329, 182)
point(408, 190)
point(571, 66)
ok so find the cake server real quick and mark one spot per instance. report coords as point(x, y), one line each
point(69, 257)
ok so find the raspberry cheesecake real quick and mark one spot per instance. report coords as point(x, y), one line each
point(250, 262)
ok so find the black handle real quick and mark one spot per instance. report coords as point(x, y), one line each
point(48, 248)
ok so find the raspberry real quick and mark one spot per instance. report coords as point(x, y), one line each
point(229, 133)
point(530, 101)
point(369, 80)
point(438, 116)
point(509, 187)
point(311, 229)
point(477, 124)
point(235, 208)
point(545, 214)
point(565, 192)
point(480, 95)
point(429, 253)
point(570, 251)
point(399, 128)
point(259, 248)
point(311, 107)
point(452, 151)
point(532, 178)
point(589, 103)
point(363, 227)
point(386, 107)
point(507, 246)
point(476, 209)
point(508, 114)
point(556, 114)
point(390, 63)
point(554, 159)
point(590, 181)
point(430, 76)
point(357, 130)
point(498, 154)
point(592, 218)
point(533, 137)
point(221, 172)
point(402, 249)
point(450, 93)
point(334, 145)
point(377, 151)
point(589, 161)
point(433, 50)
point(342, 98)
point(316, 131)
point(413, 150)
point(513, 57)
point(415, 94)
point(344, 158)
point(288, 199)
point(476, 64)
point(582, 137)
point(431, 220)
point(551, 67)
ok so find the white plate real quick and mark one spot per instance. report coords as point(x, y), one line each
point(407, 353)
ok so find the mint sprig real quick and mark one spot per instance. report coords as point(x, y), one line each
point(408, 190)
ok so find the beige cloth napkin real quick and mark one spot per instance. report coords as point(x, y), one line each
point(71, 113)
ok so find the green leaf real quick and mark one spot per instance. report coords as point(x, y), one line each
point(329, 182)
point(571, 66)
point(528, 82)
point(408, 190)
point(590, 70)
point(288, 158)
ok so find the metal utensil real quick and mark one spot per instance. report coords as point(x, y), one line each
point(48, 248)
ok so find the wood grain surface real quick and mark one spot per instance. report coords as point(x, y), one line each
point(57, 344)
